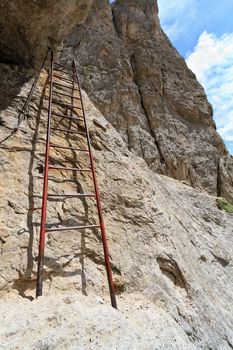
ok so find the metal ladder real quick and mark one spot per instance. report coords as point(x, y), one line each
point(67, 89)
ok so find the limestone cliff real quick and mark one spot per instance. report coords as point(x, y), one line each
point(170, 245)
point(175, 258)
point(144, 88)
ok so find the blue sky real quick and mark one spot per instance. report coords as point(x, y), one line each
point(202, 32)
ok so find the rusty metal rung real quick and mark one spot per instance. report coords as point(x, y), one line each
point(66, 117)
point(69, 195)
point(62, 65)
point(69, 131)
point(66, 86)
point(60, 93)
point(34, 209)
point(69, 228)
point(63, 71)
point(68, 80)
point(71, 148)
point(66, 104)
point(69, 169)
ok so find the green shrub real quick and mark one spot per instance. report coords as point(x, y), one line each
point(223, 204)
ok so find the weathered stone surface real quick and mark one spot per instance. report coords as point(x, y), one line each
point(169, 243)
point(226, 177)
point(28, 27)
point(144, 88)
point(68, 322)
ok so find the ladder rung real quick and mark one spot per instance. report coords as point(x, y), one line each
point(69, 169)
point(72, 195)
point(71, 228)
point(66, 104)
point(66, 86)
point(71, 148)
point(66, 117)
point(69, 131)
point(69, 80)
point(60, 93)
point(62, 65)
point(62, 71)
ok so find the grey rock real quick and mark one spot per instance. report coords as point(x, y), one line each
point(68, 322)
point(170, 245)
point(226, 177)
point(143, 87)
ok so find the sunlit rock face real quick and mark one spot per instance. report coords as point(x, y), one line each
point(144, 88)
point(226, 177)
point(170, 245)
point(28, 27)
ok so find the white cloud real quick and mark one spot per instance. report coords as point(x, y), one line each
point(212, 62)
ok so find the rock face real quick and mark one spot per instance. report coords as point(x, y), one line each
point(144, 88)
point(226, 177)
point(140, 325)
point(177, 258)
point(170, 245)
point(28, 27)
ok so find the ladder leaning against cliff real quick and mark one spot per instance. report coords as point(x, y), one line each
point(56, 71)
